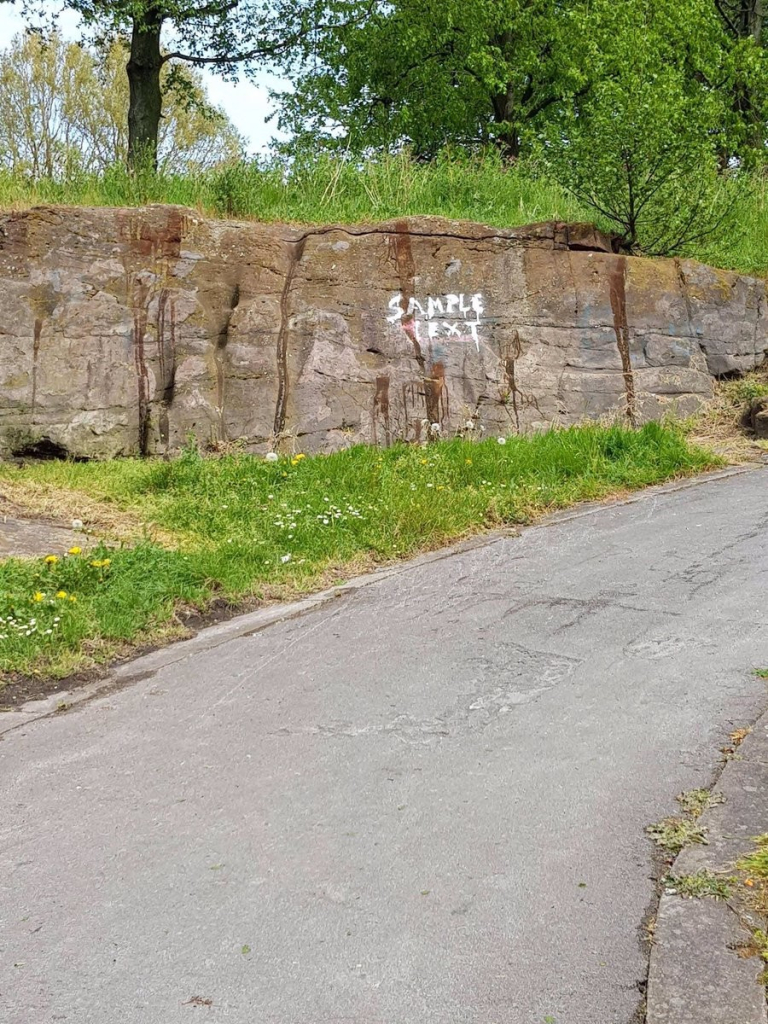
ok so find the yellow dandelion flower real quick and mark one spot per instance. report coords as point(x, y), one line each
point(107, 561)
point(300, 456)
point(75, 551)
point(73, 599)
point(61, 594)
point(38, 596)
point(51, 559)
point(468, 462)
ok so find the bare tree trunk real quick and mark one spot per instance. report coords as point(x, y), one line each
point(146, 101)
point(504, 109)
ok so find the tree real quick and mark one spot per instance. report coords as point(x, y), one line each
point(744, 26)
point(423, 73)
point(226, 34)
point(63, 109)
point(642, 146)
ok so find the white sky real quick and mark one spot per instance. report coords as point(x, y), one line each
point(247, 104)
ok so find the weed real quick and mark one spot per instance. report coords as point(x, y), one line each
point(761, 673)
point(695, 801)
point(673, 834)
point(702, 883)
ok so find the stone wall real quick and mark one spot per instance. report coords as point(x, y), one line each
point(122, 331)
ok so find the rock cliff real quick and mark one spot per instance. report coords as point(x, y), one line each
point(123, 331)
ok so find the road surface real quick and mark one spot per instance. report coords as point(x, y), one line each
point(421, 803)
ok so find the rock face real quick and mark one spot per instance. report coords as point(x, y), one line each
point(123, 331)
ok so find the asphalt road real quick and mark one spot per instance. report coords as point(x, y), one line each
point(422, 803)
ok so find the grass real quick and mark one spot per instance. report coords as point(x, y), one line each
point(328, 189)
point(700, 884)
point(673, 834)
point(238, 528)
point(695, 801)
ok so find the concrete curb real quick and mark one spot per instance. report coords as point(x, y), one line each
point(209, 637)
point(696, 975)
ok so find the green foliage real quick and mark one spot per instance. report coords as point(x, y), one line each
point(426, 74)
point(248, 528)
point(702, 883)
point(755, 864)
point(695, 801)
point(643, 145)
point(673, 834)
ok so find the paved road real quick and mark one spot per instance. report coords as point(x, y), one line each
point(422, 803)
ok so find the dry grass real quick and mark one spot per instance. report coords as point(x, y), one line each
point(719, 427)
point(21, 496)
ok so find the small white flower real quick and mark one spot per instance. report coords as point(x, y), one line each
point(501, 440)
point(469, 425)
point(285, 558)
point(77, 524)
point(271, 457)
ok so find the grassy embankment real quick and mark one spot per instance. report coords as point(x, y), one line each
point(327, 190)
point(242, 529)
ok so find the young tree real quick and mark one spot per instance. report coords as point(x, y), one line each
point(63, 109)
point(225, 34)
point(642, 147)
point(424, 73)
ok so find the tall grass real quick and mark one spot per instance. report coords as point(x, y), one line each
point(329, 189)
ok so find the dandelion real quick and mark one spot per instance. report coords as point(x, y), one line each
point(285, 558)
point(38, 596)
point(61, 594)
point(299, 457)
point(271, 457)
point(51, 559)
point(75, 551)
point(468, 462)
point(501, 440)
point(77, 524)
point(73, 600)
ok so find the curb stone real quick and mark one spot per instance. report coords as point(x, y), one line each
point(696, 975)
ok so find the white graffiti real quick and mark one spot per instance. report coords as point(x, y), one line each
point(443, 316)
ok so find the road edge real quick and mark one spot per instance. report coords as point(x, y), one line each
point(700, 970)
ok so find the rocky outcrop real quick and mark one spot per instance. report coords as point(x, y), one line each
point(123, 331)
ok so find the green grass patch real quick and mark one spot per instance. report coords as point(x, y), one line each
point(673, 834)
point(246, 528)
point(327, 189)
point(695, 801)
point(700, 884)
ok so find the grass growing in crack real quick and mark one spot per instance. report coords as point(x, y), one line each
point(761, 673)
point(673, 834)
point(244, 529)
point(695, 801)
point(702, 883)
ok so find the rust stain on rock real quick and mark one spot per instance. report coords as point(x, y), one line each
point(147, 237)
point(166, 356)
point(436, 394)
point(434, 386)
point(381, 409)
point(35, 362)
point(140, 298)
point(617, 284)
point(296, 252)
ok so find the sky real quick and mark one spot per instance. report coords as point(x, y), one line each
point(246, 103)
